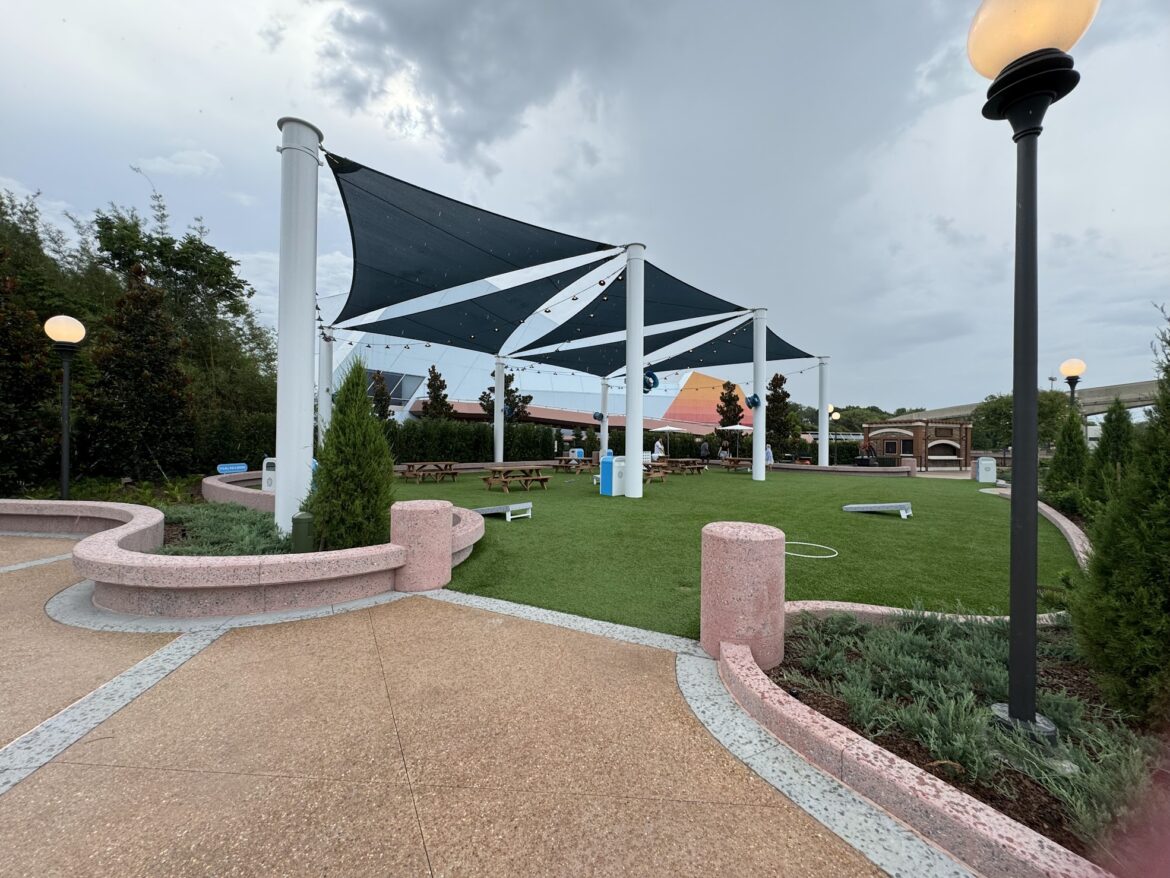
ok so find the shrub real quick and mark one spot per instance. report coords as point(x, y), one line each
point(354, 485)
point(1122, 614)
point(1067, 469)
point(1113, 453)
point(224, 529)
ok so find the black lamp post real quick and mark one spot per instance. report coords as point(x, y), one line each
point(66, 333)
point(1022, 44)
point(1072, 370)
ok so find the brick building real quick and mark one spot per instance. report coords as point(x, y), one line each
point(942, 443)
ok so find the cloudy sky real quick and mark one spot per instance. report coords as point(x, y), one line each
point(826, 160)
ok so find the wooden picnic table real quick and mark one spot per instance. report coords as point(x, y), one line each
point(686, 465)
point(435, 470)
point(734, 463)
point(505, 474)
point(572, 464)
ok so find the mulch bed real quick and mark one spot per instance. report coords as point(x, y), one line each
point(173, 533)
point(1015, 794)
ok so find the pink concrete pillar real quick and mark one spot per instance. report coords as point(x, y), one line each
point(742, 590)
point(423, 528)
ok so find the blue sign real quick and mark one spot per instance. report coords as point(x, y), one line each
point(227, 468)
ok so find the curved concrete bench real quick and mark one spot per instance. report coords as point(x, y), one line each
point(843, 470)
point(128, 580)
point(239, 488)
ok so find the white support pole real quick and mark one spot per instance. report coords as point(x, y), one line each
point(759, 413)
point(823, 414)
point(604, 417)
point(635, 350)
point(296, 297)
point(498, 414)
point(324, 382)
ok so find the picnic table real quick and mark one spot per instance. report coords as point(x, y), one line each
point(572, 464)
point(435, 470)
point(686, 465)
point(505, 474)
point(656, 469)
point(734, 463)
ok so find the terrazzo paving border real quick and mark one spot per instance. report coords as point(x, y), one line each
point(885, 841)
point(48, 740)
point(996, 845)
point(74, 606)
point(24, 565)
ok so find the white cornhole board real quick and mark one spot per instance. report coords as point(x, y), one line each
point(509, 511)
point(902, 508)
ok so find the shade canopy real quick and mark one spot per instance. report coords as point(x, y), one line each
point(421, 269)
point(408, 242)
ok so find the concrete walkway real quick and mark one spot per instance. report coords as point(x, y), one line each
point(412, 738)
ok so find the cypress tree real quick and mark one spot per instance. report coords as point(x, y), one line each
point(1121, 616)
point(1071, 457)
point(436, 406)
point(783, 423)
point(515, 403)
point(381, 397)
point(729, 410)
point(1113, 453)
point(354, 484)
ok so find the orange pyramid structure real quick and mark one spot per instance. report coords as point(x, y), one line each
point(698, 400)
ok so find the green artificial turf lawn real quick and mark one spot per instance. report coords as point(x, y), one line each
point(637, 561)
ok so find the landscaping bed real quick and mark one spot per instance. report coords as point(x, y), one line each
point(220, 529)
point(921, 687)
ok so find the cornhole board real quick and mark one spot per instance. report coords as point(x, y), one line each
point(509, 511)
point(902, 508)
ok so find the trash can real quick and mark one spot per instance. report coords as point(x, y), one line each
point(268, 474)
point(985, 470)
point(613, 476)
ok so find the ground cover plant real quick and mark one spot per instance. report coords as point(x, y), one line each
point(637, 561)
point(220, 529)
point(922, 687)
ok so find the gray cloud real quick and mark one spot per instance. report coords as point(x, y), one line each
point(478, 67)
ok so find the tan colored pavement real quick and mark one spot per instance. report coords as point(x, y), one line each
point(14, 550)
point(414, 738)
point(46, 666)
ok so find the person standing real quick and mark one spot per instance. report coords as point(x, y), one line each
point(704, 452)
point(659, 451)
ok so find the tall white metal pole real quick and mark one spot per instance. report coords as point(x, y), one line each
point(635, 351)
point(604, 417)
point(823, 415)
point(759, 414)
point(324, 382)
point(296, 297)
point(498, 414)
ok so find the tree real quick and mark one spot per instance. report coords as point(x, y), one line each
point(137, 416)
point(783, 423)
point(729, 410)
point(436, 407)
point(515, 403)
point(354, 484)
point(1121, 615)
point(1112, 455)
point(991, 421)
point(28, 434)
point(381, 397)
point(1066, 472)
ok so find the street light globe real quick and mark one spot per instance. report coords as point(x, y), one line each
point(65, 330)
point(836, 416)
point(1006, 30)
point(1073, 368)
point(829, 409)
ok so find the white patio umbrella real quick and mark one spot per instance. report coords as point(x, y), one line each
point(668, 430)
point(736, 429)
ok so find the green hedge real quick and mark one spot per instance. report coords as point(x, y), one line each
point(466, 441)
point(234, 437)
